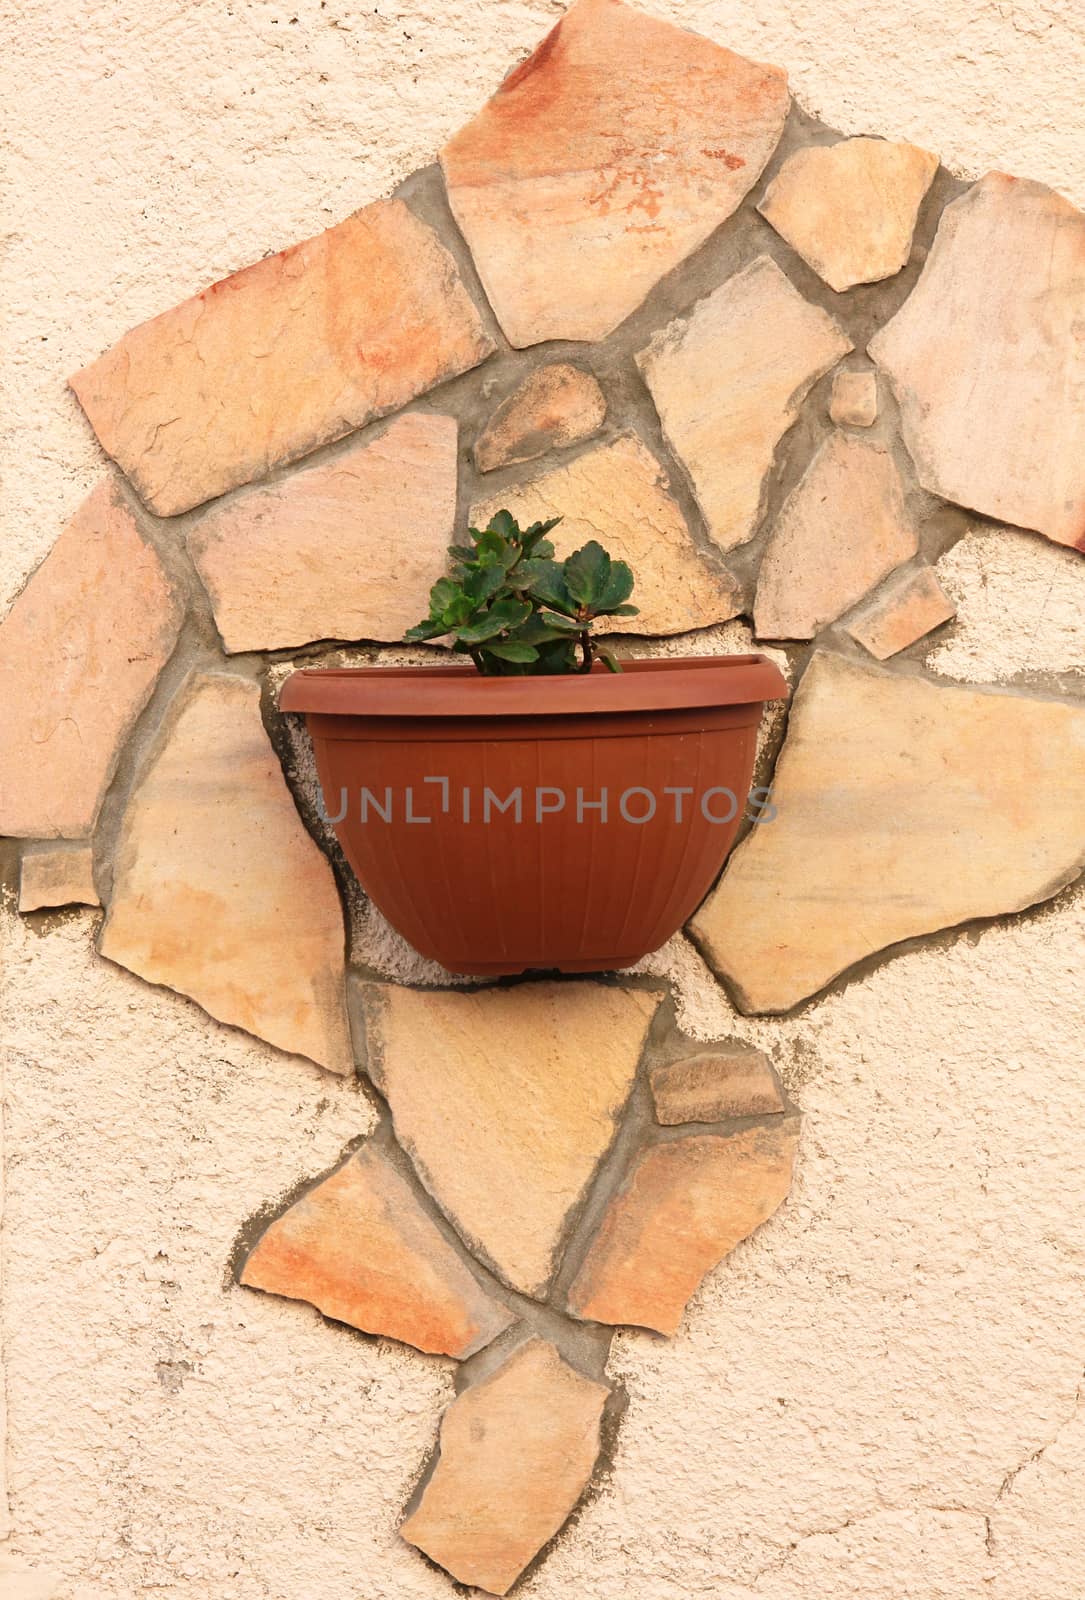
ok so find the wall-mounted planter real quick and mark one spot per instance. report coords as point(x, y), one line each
point(503, 824)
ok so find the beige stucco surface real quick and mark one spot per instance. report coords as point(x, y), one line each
point(878, 1395)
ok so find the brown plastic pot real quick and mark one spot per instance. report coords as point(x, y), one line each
point(420, 769)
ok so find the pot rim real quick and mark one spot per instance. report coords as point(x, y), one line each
point(656, 683)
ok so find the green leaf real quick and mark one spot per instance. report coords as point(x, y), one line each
point(543, 551)
point(503, 614)
point(430, 629)
point(561, 623)
point(608, 657)
point(587, 573)
point(442, 594)
point(548, 587)
point(483, 583)
point(493, 550)
point(618, 588)
point(533, 536)
point(505, 524)
point(620, 611)
point(462, 552)
point(510, 650)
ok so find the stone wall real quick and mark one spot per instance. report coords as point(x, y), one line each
point(694, 321)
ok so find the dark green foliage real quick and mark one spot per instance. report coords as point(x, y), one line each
point(515, 610)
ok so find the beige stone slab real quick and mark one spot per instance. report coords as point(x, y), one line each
point(850, 209)
point(219, 892)
point(80, 653)
point(554, 407)
point(854, 400)
point(910, 605)
point(685, 1205)
point(362, 1250)
point(517, 1452)
point(619, 494)
point(506, 1099)
point(903, 807)
point(347, 550)
point(728, 381)
point(56, 877)
point(602, 162)
point(987, 359)
point(715, 1084)
point(842, 530)
point(285, 355)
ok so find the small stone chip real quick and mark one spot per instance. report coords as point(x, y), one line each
point(735, 1082)
point(854, 401)
point(910, 605)
point(554, 407)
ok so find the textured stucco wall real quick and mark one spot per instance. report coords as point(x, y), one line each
point(878, 1395)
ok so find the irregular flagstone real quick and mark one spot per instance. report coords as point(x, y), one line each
point(219, 892)
point(907, 607)
point(987, 359)
point(715, 1084)
point(285, 355)
point(903, 807)
point(56, 877)
point(728, 381)
point(517, 1451)
point(80, 653)
point(602, 162)
point(854, 400)
point(554, 407)
point(506, 1099)
point(685, 1205)
point(841, 531)
point(850, 209)
point(362, 1250)
point(619, 492)
point(347, 550)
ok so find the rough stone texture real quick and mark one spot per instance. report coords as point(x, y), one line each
point(554, 407)
point(904, 807)
point(602, 162)
point(538, 1074)
point(728, 380)
point(910, 605)
point(850, 209)
point(620, 492)
point(945, 1087)
point(361, 1249)
point(843, 528)
point(987, 359)
point(684, 1206)
point(212, 867)
point(1019, 602)
point(727, 1082)
point(347, 550)
point(283, 356)
point(517, 1450)
point(854, 400)
point(55, 877)
point(80, 653)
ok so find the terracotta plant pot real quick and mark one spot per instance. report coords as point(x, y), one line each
point(503, 824)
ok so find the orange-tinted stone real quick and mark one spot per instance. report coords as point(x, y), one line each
point(841, 531)
point(219, 891)
point(286, 355)
point(517, 1452)
point(602, 162)
point(686, 1204)
point(728, 381)
point(988, 361)
point(736, 1082)
point(347, 550)
point(80, 653)
point(903, 610)
point(362, 1250)
point(854, 401)
point(850, 209)
point(554, 407)
point(904, 806)
point(55, 876)
point(506, 1099)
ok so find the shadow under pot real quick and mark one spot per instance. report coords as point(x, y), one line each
point(506, 824)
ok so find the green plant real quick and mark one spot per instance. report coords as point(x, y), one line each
point(515, 610)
